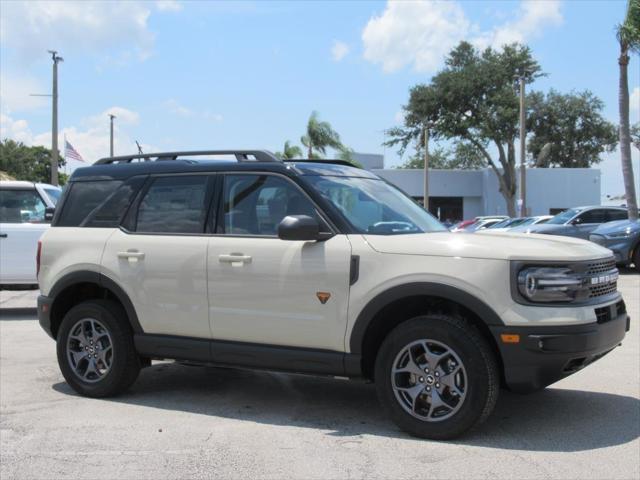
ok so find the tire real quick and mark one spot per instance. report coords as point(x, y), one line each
point(86, 331)
point(469, 392)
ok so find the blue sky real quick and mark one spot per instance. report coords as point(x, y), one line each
point(247, 74)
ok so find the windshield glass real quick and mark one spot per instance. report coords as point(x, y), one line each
point(374, 206)
point(53, 194)
point(564, 217)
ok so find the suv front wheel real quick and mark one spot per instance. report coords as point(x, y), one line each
point(436, 376)
point(95, 349)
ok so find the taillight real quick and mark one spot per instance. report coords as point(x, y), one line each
point(38, 257)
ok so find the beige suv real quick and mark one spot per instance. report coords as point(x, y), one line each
point(317, 268)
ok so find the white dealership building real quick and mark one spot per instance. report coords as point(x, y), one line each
point(458, 194)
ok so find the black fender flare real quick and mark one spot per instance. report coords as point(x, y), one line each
point(87, 276)
point(447, 292)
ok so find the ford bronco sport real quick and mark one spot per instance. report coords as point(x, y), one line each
point(316, 268)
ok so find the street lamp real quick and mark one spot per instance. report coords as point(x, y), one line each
point(54, 120)
point(426, 133)
point(111, 117)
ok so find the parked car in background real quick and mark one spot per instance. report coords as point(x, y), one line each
point(527, 223)
point(482, 224)
point(26, 208)
point(579, 222)
point(508, 223)
point(467, 223)
point(622, 238)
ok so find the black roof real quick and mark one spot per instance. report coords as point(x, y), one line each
point(117, 168)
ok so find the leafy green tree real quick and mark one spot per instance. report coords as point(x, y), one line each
point(319, 136)
point(462, 157)
point(473, 100)
point(568, 130)
point(28, 163)
point(289, 151)
point(628, 33)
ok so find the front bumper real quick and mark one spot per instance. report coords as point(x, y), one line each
point(44, 314)
point(621, 247)
point(547, 354)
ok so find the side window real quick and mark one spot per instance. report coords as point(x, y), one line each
point(21, 206)
point(174, 205)
point(616, 215)
point(593, 216)
point(82, 199)
point(256, 204)
point(110, 212)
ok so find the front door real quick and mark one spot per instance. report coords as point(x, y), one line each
point(162, 262)
point(270, 291)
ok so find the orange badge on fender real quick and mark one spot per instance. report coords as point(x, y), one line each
point(323, 297)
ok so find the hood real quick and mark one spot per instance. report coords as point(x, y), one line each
point(617, 226)
point(544, 228)
point(489, 245)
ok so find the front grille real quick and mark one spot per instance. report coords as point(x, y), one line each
point(600, 290)
point(606, 314)
point(601, 266)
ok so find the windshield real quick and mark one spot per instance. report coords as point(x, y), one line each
point(374, 206)
point(564, 217)
point(53, 194)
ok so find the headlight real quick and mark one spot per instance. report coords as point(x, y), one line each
point(551, 284)
point(626, 233)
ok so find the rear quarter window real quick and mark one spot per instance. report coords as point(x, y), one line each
point(82, 199)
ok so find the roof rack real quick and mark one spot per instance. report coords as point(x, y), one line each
point(241, 156)
point(333, 161)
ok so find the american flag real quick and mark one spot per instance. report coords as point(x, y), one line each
point(71, 153)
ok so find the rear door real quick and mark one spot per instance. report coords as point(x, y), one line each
point(588, 221)
point(266, 290)
point(160, 259)
point(21, 226)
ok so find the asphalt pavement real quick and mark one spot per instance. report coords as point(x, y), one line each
point(201, 422)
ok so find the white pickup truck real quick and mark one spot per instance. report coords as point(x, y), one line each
point(25, 213)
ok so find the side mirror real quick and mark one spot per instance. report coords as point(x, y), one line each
point(301, 228)
point(48, 214)
point(576, 221)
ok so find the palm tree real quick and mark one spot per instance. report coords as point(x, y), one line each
point(289, 151)
point(319, 136)
point(629, 38)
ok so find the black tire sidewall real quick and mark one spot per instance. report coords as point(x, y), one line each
point(125, 363)
point(480, 370)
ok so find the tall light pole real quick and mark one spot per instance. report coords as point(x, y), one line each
point(523, 160)
point(111, 117)
point(54, 120)
point(425, 201)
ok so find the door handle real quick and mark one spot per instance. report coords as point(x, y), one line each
point(235, 259)
point(131, 255)
point(3, 235)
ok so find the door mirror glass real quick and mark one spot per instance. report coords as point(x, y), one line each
point(301, 228)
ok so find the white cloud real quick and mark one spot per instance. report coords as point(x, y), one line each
point(176, 108)
point(532, 18)
point(415, 33)
point(422, 32)
point(168, 5)
point(339, 50)
point(111, 29)
point(90, 139)
point(15, 93)
point(634, 100)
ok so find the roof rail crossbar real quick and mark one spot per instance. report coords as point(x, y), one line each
point(241, 156)
point(333, 161)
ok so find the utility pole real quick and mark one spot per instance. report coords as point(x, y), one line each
point(425, 201)
point(111, 117)
point(54, 120)
point(523, 160)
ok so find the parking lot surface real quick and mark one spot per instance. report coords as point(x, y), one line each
point(195, 422)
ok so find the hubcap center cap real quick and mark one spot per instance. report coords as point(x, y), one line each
point(430, 380)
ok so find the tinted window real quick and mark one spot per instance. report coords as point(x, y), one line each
point(83, 198)
point(21, 206)
point(593, 216)
point(563, 217)
point(110, 212)
point(616, 215)
point(174, 205)
point(256, 204)
point(53, 194)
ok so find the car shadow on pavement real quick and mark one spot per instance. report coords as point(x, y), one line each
point(554, 420)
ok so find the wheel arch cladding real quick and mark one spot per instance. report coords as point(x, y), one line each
point(77, 287)
point(403, 302)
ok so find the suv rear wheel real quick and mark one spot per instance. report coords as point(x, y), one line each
point(436, 376)
point(95, 349)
